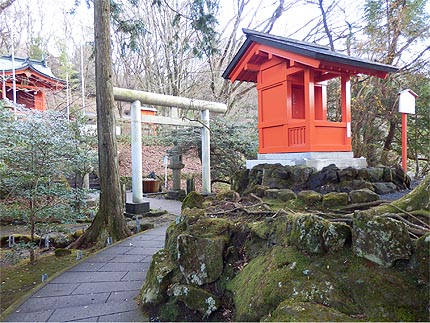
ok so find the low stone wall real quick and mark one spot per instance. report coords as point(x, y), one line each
point(381, 180)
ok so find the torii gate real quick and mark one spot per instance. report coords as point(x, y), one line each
point(136, 98)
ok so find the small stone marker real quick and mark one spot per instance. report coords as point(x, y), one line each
point(44, 277)
point(11, 241)
point(47, 241)
point(137, 225)
point(78, 254)
point(109, 241)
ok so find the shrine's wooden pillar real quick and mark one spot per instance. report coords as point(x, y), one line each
point(309, 88)
point(346, 107)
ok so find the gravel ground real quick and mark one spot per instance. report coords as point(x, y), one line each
point(396, 195)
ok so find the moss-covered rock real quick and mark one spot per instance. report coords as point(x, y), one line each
point(170, 311)
point(211, 227)
point(240, 181)
point(259, 190)
point(297, 311)
point(357, 184)
point(375, 174)
point(265, 282)
point(60, 240)
point(172, 233)
point(336, 235)
point(153, 291)
point(271, 193)
point(61, 252)
point(335, 199)
point(310, 198)
point(363, 195)
point(340, 282)
point(191, 216)
point(193, 199)
point(195, 298)
point(307, 233)
point(347, 174)
point(316, 235)
point(200, 259)
point(286, 195)
point(272, 230)
point(382, 188)
point(422, 253)
point(380, 239)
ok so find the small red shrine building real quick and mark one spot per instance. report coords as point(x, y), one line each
point(291, 78)
point(33, 79)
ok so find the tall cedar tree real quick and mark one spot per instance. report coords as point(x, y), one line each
point(109, 221)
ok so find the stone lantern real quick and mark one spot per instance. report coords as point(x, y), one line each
point(175, 164)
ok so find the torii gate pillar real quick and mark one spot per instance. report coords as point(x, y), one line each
point(137, 205)
point(206, 160)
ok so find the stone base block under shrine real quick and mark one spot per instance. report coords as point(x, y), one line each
point(318, 160)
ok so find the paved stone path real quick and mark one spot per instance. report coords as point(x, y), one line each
point(103, 287)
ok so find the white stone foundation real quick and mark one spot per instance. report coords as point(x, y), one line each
point(318, 160)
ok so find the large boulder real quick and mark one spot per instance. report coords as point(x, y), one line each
point(157, 280)
point(380, 239)
point(200, 259)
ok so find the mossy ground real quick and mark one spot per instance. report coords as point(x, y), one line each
point(19, 279)
point(350, 286)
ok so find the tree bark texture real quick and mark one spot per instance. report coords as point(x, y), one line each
point(109, 221)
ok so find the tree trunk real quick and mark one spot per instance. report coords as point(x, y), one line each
point(109, 221)
point(32, 231)
point(388, 142)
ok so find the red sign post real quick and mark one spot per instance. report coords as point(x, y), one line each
point(406, 106)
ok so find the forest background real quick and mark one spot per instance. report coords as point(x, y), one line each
point(181, 47)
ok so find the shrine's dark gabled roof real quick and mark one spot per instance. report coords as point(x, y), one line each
point(310, 50)
point(20, 64)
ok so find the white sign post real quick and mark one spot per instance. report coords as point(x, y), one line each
point(406, 106)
